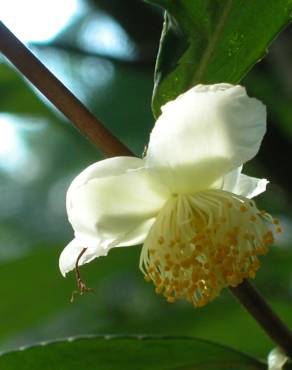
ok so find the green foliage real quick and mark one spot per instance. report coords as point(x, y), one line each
point(209, 41)
point(37, 305)
point(17, 97)
point(36, 299)
point(129, 353)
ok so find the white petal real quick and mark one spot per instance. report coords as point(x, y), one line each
point(114, 202)
point(250, 187)
point(230, 181)
point(205, 133)
point(107, 167)
point(71, 252)
point(277, 359)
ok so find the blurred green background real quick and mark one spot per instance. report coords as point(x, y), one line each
point(104, 51)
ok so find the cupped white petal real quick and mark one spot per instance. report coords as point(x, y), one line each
point(250, 187)
point(71, 252)
point(113, 203)
point(204, 134)
point(108, 167)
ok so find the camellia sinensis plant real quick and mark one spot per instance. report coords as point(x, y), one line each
point(186, 200)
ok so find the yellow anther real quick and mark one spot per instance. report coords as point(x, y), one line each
point(243, 209)
point(269, 238)
point(201, 302)
point(158, 281)
point(186, 263)
point(199, 248)
point(200, 236)
point(202, 284)
point(161, 240)
point(276, 221)
point(170, 299)
point(158, 290)
point(253, 218)
point(251, 274)
point(255, 264)
point(279, 230)
point(147, 278)
point(262, 249)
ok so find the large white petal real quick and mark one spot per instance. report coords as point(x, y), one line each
point(205, 133)
point(114, 202)
point(71, 252)
point(250, 187)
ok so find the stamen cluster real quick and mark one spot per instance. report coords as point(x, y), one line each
point(205, 242)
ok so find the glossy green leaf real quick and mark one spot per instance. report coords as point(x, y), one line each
point(118, 353)
point(209, 41)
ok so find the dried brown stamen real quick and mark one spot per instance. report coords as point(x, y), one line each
point(82, 288)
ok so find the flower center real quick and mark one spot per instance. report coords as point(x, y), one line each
point(202, 243)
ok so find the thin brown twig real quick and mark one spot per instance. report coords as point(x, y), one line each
point(27, 63)
point(255, 304)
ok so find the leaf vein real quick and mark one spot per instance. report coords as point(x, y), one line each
point(211, 46)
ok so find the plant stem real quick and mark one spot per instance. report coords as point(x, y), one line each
point(59, 95)
point(256, 305)
point(100, 136)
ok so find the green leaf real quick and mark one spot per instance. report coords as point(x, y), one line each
point(209, 41)
point(111, 353)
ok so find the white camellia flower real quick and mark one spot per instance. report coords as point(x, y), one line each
point(187, 200)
